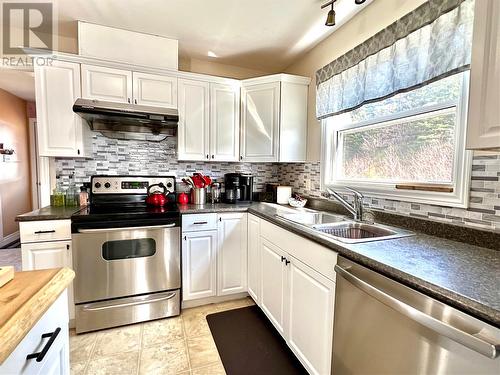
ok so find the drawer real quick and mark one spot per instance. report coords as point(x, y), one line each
point(57, 356)
point(45, 230)
point(196, 222)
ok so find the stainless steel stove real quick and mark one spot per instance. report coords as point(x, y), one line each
point(126, 255)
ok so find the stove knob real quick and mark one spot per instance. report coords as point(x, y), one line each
point(97, 185)
point(169, 185)
point(107, 185)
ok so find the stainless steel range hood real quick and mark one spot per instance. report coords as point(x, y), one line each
point(128, 121)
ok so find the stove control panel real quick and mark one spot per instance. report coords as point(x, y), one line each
point(129, 184)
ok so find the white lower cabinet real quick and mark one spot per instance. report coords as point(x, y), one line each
point(297, 299)
point(199, 277)
point(38, 253)
point(253, 270)
point(310, 303)
point(56, 360)
point(214, 262)
point(273, 275)
point(232, 254)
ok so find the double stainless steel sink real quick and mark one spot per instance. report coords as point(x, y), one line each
point(342, 228)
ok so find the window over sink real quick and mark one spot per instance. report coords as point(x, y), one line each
point(410, 146)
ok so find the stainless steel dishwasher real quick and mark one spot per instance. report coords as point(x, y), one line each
point(383, 327)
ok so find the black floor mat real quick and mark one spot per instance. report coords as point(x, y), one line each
point(248, 344)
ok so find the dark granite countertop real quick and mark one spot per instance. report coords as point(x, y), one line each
point(49, 213)
point(461, 275)
point(217, 207)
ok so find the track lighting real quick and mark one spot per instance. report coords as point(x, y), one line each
point(330, 18)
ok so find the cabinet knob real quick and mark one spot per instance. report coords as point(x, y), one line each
point(208, 156)
point(241, 157)
point(185, 238)
point(135, 101)
point(67, 247)
point(213, 156)
point(128, 100)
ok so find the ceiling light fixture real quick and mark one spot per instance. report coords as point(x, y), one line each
point(211, 54)
point(330, 18)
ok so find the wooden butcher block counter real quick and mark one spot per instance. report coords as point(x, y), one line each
point(24, 300)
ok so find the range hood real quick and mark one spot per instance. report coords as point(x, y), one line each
point(128, 121)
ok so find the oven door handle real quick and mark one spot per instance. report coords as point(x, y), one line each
point(101, 230)
point(112, 304)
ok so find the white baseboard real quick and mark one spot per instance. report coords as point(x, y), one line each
point(9, 239)
point(209, 300)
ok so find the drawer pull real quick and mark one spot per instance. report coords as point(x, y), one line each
point(45, 231)
point(41, 355)
point(200, 222)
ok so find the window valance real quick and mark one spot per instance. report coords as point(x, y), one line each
point(430, 43)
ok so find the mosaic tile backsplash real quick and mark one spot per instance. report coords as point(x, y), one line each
point(126, 157)
point(110, 156)
point(484, 201)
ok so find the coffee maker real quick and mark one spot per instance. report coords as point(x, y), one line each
point(239, 187)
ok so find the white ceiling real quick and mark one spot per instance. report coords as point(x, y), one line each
point(259, 34)
point(19, 83)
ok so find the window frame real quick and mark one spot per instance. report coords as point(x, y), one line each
point(387, 190)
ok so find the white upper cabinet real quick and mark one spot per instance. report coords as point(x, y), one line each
point(193, 130)
point(224, 121)
point(109, 84)
point(232, 254)
point(274, 118)
point(155, 90)
point(260, 122)
point(483, 130)
point(61, 132)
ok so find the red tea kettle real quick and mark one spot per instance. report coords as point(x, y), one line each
point(157, 198)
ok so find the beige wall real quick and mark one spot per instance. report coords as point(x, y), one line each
point(15, 188)
point(375, 17)
point(216, 69)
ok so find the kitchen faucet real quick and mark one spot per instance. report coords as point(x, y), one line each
point(356, 209)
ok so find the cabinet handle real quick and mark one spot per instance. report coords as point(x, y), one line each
point(135, 101)
point(241, 157)
point(208, 156)
point(128, 100)
point(67, 247)
point(45, 231)
point(213, 156)
point(287, 262)
point(220, 219)
point(200, 222)
point(78, 151)
point(185, 238)
point(282, 258)
point(41, 355)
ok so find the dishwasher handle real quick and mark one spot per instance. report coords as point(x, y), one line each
point(479, 345)
point(102, 230)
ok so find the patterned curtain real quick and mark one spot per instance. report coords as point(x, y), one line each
point(432, 42)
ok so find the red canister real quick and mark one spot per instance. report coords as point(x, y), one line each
point(183, 198)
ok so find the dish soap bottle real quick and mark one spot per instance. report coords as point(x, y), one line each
point(57, 198)
point(71, 193)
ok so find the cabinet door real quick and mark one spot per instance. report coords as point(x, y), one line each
point(273, 276)
point(42, 255)
point(254, 286)
point(232, 254)
point(260, 122)
point(193, 127)
point(199, 265)
point(155, 90)
point(59, 128)
point(309, 307)
point(483, 130)
point(101, 83)
point(224, 122)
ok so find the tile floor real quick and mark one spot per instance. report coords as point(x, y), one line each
point(178, 345)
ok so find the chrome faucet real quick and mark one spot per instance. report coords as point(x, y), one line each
point(356, 209)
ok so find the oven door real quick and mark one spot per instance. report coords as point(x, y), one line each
point(119, 262)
